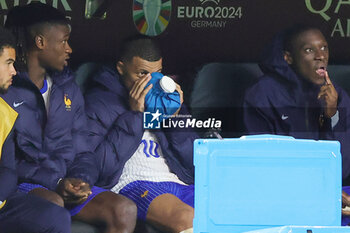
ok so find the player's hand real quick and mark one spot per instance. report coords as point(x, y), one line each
point(138, 93)
point(179, 90)
point(73, 191)
point(329, 97)
point(345, 203)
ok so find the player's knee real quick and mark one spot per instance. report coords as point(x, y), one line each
point(120, 214)
point(183, 219)
point(48, 195)
point(56, 199)
point(124, 210)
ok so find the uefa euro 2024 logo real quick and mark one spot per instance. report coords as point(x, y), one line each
point(214, 1)
point(151, 17)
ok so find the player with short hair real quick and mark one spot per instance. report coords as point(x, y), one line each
point(152, 168)
point(19, 213)
point(54, 157)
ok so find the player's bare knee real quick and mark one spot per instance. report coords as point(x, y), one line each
point(183, 219)
point(118, 211)
point(56, 199)
point(124, 210)
point(48, 195)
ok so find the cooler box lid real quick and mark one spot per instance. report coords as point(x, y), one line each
point(265, 181)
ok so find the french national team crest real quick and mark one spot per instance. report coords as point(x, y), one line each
point(151, 17)
point(67, 102)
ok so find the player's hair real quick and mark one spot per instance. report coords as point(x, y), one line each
point(28, 21)
point(293, 32)
point(7, 40)
point(139, 46)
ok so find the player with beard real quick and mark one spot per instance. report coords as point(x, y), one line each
point(19, 213)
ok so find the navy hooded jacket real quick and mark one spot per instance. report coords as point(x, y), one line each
point(283, 103)
point(52, 145)
point(116, 132)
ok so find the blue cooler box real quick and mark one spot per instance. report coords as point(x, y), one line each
point(266, 181)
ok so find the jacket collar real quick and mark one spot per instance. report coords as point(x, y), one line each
point(110, 79)
point(58, 78)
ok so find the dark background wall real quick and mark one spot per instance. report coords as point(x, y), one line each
point(222, 30)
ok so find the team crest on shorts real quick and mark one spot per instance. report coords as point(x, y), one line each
point(151, 17)
point(144, 194)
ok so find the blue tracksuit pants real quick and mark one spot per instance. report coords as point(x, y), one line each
point(25, 213)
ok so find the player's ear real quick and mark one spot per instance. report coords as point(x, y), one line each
point(288, 57)
point(39, 41)
point(120, 67)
